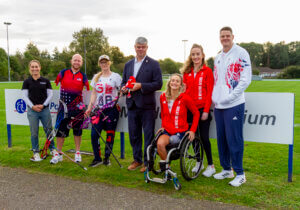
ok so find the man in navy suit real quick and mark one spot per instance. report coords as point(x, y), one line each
point(141, 103)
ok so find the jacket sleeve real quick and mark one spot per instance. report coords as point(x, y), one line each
point(210, 86)
point(245, 78)
point(196, 115)
point(162, 112)
point(156, 82)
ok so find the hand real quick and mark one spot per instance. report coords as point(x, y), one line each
point(204, 116)
point(191, 135)
point(136, 86)
point(87, 112)
point(159, 130)
point(36, 108)
point(124, 90)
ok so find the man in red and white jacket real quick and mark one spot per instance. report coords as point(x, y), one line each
point(232, 73)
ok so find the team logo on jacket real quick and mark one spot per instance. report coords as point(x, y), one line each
point(233, 73)
point(79, 79)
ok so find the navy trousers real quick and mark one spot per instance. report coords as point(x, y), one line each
point(140, 120)
point(230, 139)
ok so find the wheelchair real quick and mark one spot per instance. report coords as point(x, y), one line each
point(189, 153)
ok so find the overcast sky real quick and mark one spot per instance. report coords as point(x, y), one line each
point(50, 23)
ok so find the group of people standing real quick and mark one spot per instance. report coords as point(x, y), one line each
point(185, 105)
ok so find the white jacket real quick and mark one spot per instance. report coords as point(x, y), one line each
point(232, 73)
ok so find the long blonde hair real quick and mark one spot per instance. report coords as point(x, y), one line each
point(168, 90)
point(189, 63)
point(98, 75)
point(34, 61)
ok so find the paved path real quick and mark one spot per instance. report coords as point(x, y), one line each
point(20, 189)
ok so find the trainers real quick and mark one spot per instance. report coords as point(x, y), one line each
point(224, 174)
point(106, 162)
point(96, 163)
point(209, 171)
point(53, 152)
point(196, 168)
point(238, 180)
point(36, 157)
point(56, 158)
point(77, 157)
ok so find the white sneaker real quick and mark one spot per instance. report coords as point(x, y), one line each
point(196, 168)
point(209, 171)
point(53, 152)
point(36, 157)
point(224, 174)
point(238, 180)
point(56, 158)
point(77, 156)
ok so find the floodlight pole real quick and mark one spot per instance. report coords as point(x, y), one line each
point(184, 48)
point(8, 63)
point(84, 35)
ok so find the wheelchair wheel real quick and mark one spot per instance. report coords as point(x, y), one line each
point(190, 154)
point(177, 184)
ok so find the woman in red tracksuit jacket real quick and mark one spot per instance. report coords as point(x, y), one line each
point(199, 82)
point(174, 106)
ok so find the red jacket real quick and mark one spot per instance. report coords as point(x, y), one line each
point(200, 88)
point(176, 121)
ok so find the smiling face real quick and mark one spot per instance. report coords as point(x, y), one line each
point(175, 83)
point(104, 65)
point(226, 38)
point(34, 68)
point(197, 56)
point(76, 62)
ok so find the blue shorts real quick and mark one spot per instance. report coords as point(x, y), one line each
point(176, 138)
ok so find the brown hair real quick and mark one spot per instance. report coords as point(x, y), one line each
point(189, 63)
point(168, 89)
point(226, 28)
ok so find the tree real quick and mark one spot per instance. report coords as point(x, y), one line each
point(3, 65)
point(168, 66)
point(210, 63)
point(96, 44)
point(256, 52)
point(294, 53)
point(291, 72)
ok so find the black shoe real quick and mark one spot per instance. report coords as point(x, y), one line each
point(95, 163)
point(106, 162)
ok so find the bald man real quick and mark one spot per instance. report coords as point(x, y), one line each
point(72, 81)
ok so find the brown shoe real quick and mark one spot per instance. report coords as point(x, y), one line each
point(143, 169)
point(134, 165)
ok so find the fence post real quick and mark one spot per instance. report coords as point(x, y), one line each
point(122, 143)
point(8, 127)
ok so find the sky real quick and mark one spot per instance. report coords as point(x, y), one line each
point(165, 23)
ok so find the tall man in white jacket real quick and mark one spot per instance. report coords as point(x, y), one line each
point(232, 73)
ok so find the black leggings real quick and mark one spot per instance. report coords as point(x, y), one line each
point(203, 128)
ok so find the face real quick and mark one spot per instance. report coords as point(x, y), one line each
point(226, 38)
point(35, 68)
point(175, 82)
point(76, 62)
point(197, 56)
point(141, 50)
point(104, 65)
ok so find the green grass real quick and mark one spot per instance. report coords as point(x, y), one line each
point(265, 164)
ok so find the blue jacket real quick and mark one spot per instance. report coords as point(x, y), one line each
point(150, 77)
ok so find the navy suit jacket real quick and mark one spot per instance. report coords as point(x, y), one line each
point(149, 75)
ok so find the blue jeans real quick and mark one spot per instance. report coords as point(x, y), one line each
point(34, 118)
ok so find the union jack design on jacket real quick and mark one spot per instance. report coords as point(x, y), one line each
point(176, 120)
point(232, 73)
point(71, 86)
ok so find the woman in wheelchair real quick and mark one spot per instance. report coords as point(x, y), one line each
point(174, 106)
